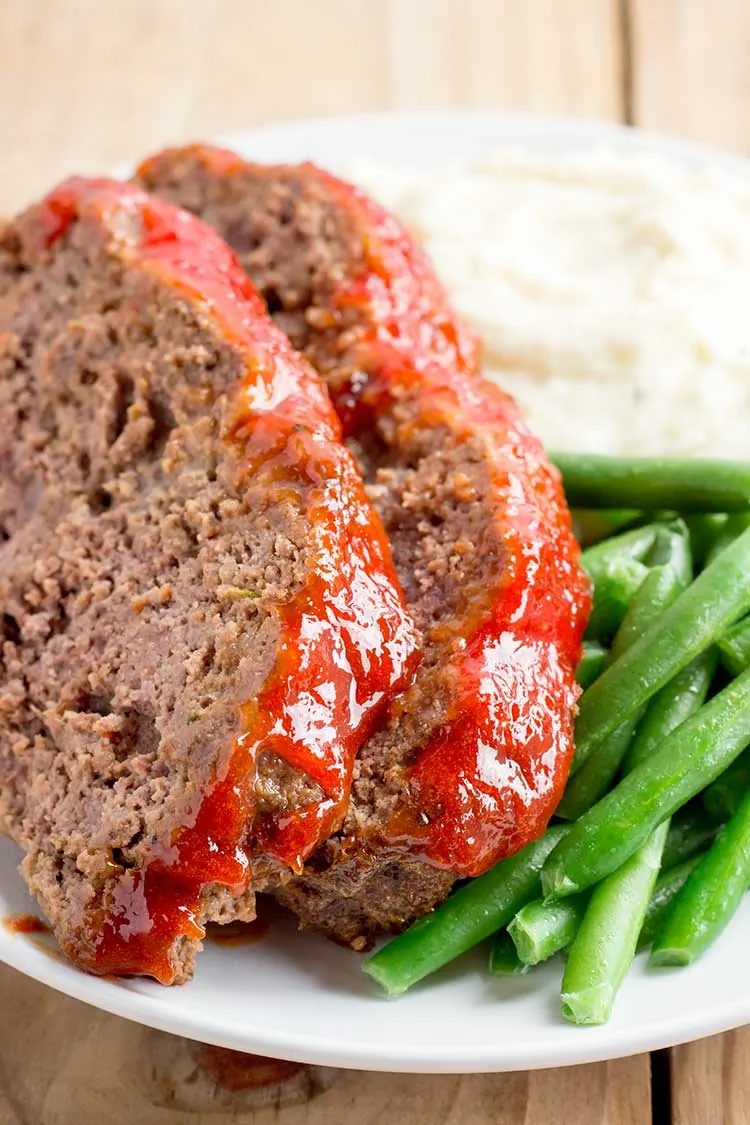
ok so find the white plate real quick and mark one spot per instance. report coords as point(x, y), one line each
point(296, 996)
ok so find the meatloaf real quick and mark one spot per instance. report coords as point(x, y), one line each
point(199, 617)
point(472, 759)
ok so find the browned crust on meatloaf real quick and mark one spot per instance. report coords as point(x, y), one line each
point(430, 483)
point(124, 545)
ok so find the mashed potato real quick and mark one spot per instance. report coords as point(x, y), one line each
point(612, 292)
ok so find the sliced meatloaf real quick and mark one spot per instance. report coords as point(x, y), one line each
point(473, 757)
point(199, 617)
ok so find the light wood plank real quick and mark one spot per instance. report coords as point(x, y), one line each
point(85, 86)
point(691, 71)
point(711, 1080)
point(530, 55)
point(62, 1062)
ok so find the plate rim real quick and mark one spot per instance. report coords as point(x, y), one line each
point(115, 997)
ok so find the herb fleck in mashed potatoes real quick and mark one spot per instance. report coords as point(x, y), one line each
point(612, 291)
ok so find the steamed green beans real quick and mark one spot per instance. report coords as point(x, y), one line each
point(734, 647)
point(588, 784)
point(541, 929)
point(633, 544)
point(671, 706)
point(612, 594)
point(660, 588)
point(691, 830)
point(710, 896)
point(504, 959)
point(687, 761)
point(730, 530)
point(606, 941)
point(605, 944)
point(688, 627)
point(669, 883)
point(704, 530)
point(722, 798)
point(592, 526)
point(592, 663)
point(595, 481)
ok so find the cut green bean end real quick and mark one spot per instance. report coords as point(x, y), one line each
point(504, 958)
point(590, 1006)
point(556, 884)
point(670, 958)
point(384, 978)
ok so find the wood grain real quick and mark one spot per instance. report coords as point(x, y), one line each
point(691, 68)
point(62, 1063)
point(711, 1080)
point(85, 86)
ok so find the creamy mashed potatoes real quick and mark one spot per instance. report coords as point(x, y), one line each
point(612, 291)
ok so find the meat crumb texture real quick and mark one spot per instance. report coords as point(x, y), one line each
point(472, 758)
point(174, 502)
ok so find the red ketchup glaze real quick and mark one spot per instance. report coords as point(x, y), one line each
point(488, 783)
point(347, 641)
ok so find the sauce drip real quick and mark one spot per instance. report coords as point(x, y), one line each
point(233, 1070)
point(347, 640)
point(25, 924)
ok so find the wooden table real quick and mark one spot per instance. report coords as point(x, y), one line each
point(86, 85)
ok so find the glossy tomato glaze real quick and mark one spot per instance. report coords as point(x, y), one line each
point(488, 783)
point(347, 641)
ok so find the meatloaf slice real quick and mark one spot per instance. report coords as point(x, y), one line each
point(472, 760)
point(199, 617)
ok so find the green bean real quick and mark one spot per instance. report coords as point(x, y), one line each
point(671, 706)
point(660, 588)
point(633, 544)
point(672, 547)
point(594, 481)
point(477, 910)
point(667, 885)
point(603, 939)
point(688, 760)
point(604, 947)
point(612, 594)
point(730, 530)
point(704, 530)
point(734, 647)
point(592, 663)
point(698, 617)
point(691, 830)
point(588, 784)
point(671, 572)
point(504, 959)
point(591, 527)
point(541, 929)
point(724, 796)
point(710, 896)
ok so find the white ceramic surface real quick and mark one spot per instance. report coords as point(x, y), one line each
point(295, 996)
